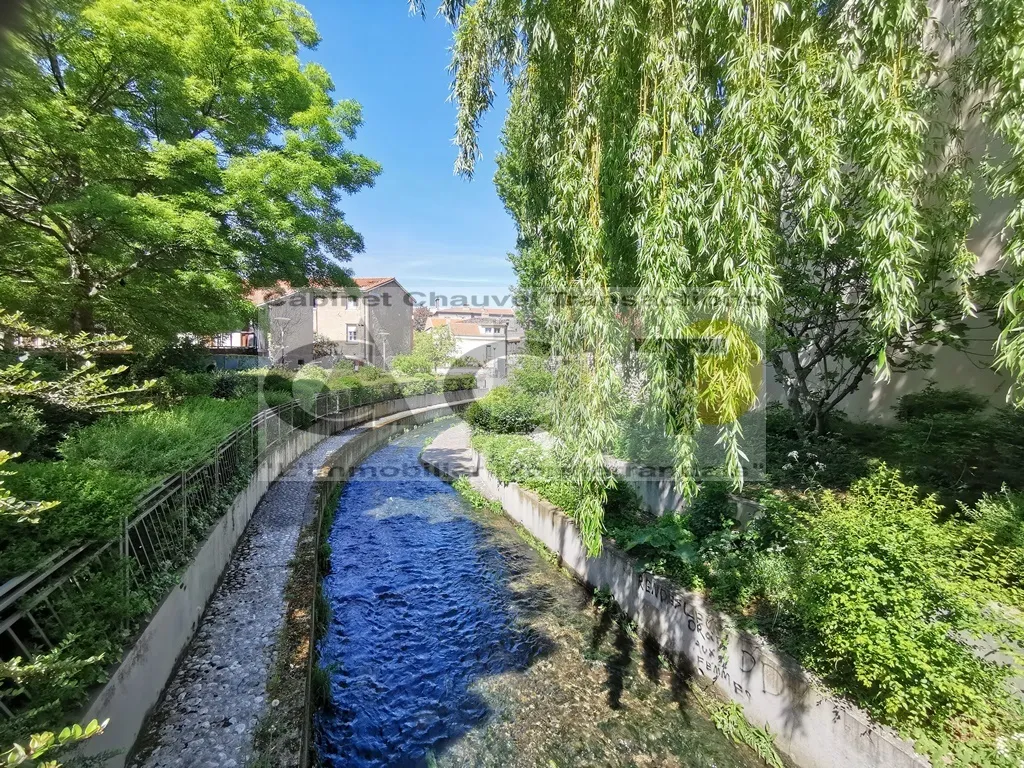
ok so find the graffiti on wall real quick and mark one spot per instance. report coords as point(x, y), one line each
point(708, 640)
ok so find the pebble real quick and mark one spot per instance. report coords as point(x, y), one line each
point(210, 708)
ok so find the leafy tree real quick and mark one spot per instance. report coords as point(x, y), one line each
point(997, 30)
point(419, 318)
point(323, 346)
point(431, 350)
point(439, 346)
point(821, 344)
point(681, 153)
point(157, 157)
point(54, 381)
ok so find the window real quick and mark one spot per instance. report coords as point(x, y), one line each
point(353, 303)
point(352, 332)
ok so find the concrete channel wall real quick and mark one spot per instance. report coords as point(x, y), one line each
point(135, 686)
point(812, 727)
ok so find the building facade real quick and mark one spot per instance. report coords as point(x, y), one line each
point(368, 324)
point(483, 334)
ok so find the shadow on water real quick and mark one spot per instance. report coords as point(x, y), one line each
point(452, 642)
point(420, 611)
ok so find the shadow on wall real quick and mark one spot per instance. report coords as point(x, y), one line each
point(951, 369)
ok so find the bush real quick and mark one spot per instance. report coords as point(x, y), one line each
point(411, 364)
point(93, 501)
point(340, 370)
point(419, 385)
point(20, 425)
point(371, 373)
point(270, 379)
point(961, 454)
point(879, 585)
point(157, 443)
point(228, 385)
point(517, 459)
point(185, 355)
point(459, 382)
point(530, 374)
point(933, 401)
point(466, 361)
point(178, 385)
point(310, 381)
point(505, 410)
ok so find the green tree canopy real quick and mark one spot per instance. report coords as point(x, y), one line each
point(157, 157)
point(431, 350)
point(690, 152)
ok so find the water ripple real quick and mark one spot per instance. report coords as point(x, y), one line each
point(420, 610)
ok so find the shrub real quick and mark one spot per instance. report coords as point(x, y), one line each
point(411, 364)
point(20, 425)
point(309, 382)
point(178, 385)
point(961, 454)
point(517, 459)
point(466, 361)
point(459, 382)
point(184, 355)
point(93, 501)
point(505, 410)
point(340, 370)
point(668, 536)
point(530, 374)
point(878, 585)
point(419, 385)
point(156, 443)
point(270, 379)
point(995, 532)
point(229, 385)
point(371, 373)
point(932, 401)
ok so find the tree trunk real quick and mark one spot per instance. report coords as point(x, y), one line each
point(792, 389)
point(82, 319)
point(820, 422)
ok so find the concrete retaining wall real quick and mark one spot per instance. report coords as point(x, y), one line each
point(135, 686)
point(655, 487)
point(813, 728)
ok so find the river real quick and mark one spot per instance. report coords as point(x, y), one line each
point(453, 641)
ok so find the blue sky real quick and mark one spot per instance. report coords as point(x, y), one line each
point(432, 230)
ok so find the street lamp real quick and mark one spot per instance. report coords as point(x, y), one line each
point(384, 347)
point(284, 320)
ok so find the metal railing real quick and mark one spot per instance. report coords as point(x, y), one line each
point(171, 521)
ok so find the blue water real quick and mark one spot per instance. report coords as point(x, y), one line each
point(420, 610)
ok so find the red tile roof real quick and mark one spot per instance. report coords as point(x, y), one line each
point(463, 328)
point(369, 283)
point(498, 311)
point(283, 288)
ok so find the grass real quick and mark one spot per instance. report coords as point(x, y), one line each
point(104, 467)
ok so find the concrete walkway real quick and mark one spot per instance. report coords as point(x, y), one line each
point(210, 707)
point(450, 454)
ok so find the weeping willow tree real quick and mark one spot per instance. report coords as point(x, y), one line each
point(690, 153)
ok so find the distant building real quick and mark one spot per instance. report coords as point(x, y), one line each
point(499, 314)
point(368, 324)
point(482, 333)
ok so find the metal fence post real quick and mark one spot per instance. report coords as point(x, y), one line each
point(184, 511)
